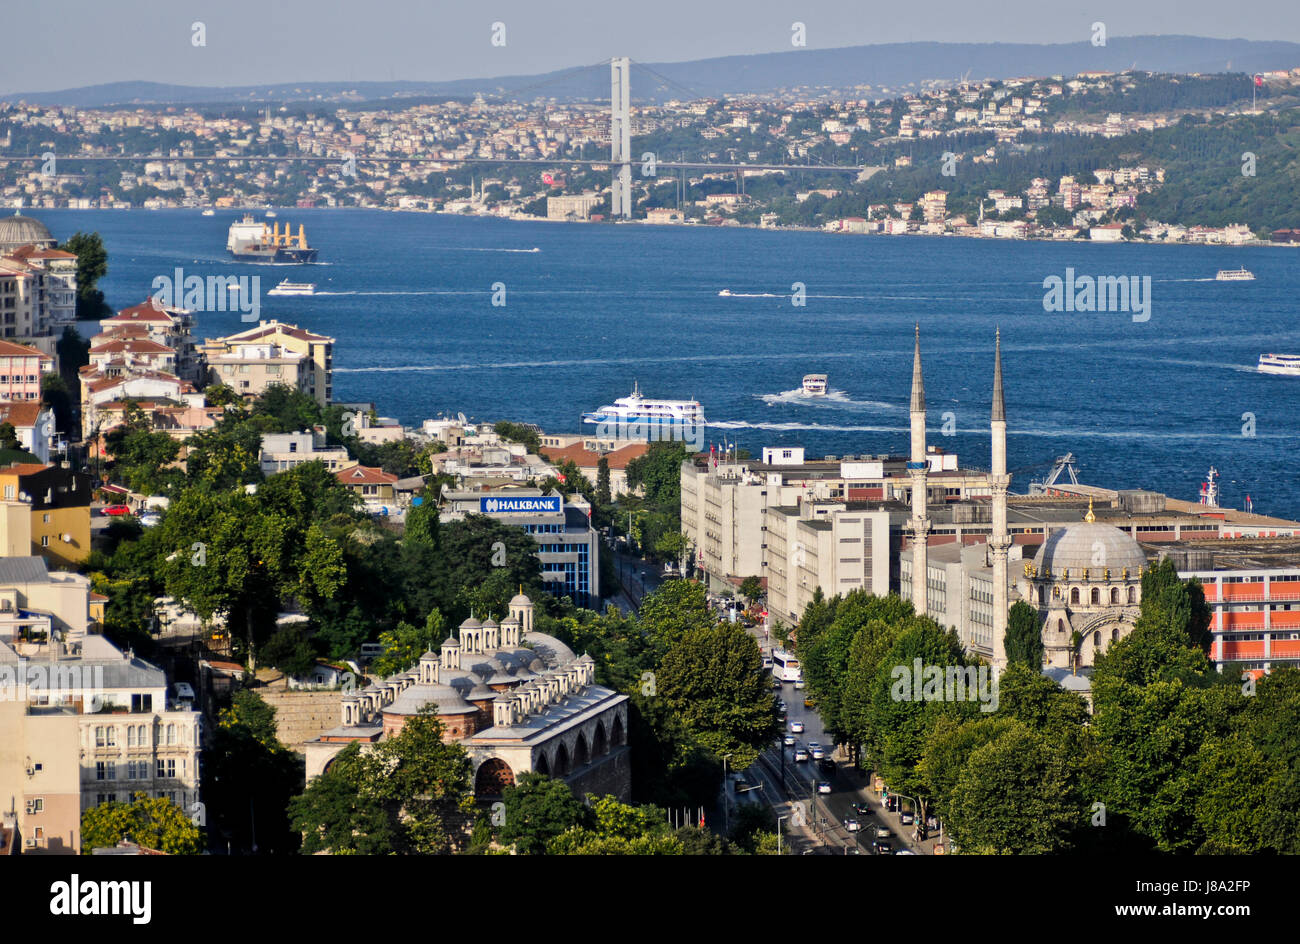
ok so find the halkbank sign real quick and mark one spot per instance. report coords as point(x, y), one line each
point(521, 506)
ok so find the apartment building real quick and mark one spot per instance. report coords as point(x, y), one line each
point(45, 512)
point(84, 723)
point(172, 328)
point(284, 451)
point(273, 353)
point(21, 368)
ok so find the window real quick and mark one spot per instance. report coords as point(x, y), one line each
point(171, 734)
point(1074, 594)
point(45, 539)
point(167, 768)
point(38, 805)
point(130, 735)
point(1096, 596)
point(45, 519)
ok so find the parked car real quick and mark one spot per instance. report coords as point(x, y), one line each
point(906, 819)
point(150, 520)
point(800, 755)
point(796, 727)
point(852, 825)
point(114, 511)
point(883, 847)
point(823, 786)
point(882, 832)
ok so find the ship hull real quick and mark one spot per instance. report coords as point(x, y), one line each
point(281, 254)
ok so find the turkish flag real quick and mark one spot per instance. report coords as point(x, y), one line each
point(1259, 80)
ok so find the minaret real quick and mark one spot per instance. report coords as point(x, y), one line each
point(918, 468)
point(1000, 539)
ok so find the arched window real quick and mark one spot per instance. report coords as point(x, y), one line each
point(1096, 639)
point(1096, 596)
point(1114, 634)
point(493, 776)
point(1074, 595)
point(1060, 626)
point(171, 734)
point(1114, 594)
point(1132, 595)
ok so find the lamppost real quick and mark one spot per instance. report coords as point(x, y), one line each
point(726, 801)
point(779, 821)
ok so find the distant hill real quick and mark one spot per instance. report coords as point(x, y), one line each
point(881, 71)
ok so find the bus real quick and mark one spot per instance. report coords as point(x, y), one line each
point(785, 667)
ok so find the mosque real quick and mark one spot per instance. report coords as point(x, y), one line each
point(516, 699)
point(1085, 580)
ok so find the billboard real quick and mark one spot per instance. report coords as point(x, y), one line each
point(530, 505)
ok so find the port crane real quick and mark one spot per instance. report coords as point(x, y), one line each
point(1061, 465)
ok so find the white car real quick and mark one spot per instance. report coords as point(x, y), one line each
point(799, 684)
point(150, 520)
point(796, 727)
point(823, 786)
point(800, 755)
point(817, 753)
point(852, 825)
point(789, 741)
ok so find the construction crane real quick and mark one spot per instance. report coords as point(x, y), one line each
point(1060, 465)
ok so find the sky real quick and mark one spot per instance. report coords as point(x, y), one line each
point(57, 44)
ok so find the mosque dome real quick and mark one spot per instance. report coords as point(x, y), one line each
point(18, 230)
point(1090, 546)
point(519, 599)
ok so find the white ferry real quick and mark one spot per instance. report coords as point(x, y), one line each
point(294, 288)
point(814, 385)
point(725, 293)
point(643, 410)
point(209, 212)
point(1235, 275)
point(1280, 364)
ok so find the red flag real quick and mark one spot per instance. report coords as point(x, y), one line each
point(1259, 80)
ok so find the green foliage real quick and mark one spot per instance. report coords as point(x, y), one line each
point(712, 680)
point(751, 588)
point(1024, 637)
point(536, 810)
point(92, 265)
point(517, 432)
point(149, 822)
point(404, 644)
point(673, 610)
point(289, 650)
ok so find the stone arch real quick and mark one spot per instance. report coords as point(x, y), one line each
point(581, 755)
point(542, 766)
point(493, 776)
point(561, 761)
point(616, 732)
point(599, 743)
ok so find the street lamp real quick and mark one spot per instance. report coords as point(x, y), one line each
point(726, 801)
point(779, 821)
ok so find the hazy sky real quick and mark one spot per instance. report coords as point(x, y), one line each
point(57, 44)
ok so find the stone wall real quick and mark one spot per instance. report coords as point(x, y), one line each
point(610, 774)
point(302, 716)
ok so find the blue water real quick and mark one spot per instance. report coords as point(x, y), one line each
point(408, 296)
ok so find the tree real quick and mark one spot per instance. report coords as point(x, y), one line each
point(670, 546)
point(672, 610)
point(290, 650)
point(9, 436)
point(1015, 796)
point(712, 679)
point(404, 644)
point(536, 809)
point(751, 588)
point(1024, 637)
point(338, 813)
point(92, 265)
point(149, 822)
point(603, 497)
point(219, 394)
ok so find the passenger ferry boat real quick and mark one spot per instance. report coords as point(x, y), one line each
point(1235, 275)
point(294, 288)
point(1280, 364)
point(814, 385)
point(725, 293)
point(637, 408)
point(209, 212)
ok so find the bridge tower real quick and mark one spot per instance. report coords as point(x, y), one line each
point(620, 137)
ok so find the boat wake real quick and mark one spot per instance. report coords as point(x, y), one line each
point(448, 292)
point(832, 398)
point(488, 249)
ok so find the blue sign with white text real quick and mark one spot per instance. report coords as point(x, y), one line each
point(553, 504)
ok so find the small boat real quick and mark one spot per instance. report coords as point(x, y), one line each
point(1235, 275)
point(725, 293)
point(1287, 364)
point(294, 288)
point(270, 214)
point(209, 212)
point(814, 385)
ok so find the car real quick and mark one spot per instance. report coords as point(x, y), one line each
point(796, 727)
point(776, 684)
point(906, 819)
point(862, 809)
point(789, 740)
point(800, 755)
point(780, 705)
point(799, 684)
point(882, 832)
point(851, 824)
point(883, 847)
point(818, 753)
point(115, 511)
point(809, 703)
point(823, 786)
point(151, 520)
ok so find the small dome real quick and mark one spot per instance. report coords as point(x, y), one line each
point(520, 600)
point(471, 623)
point(18, 230)
point(451, 642)
point(1090, 546)
point(490, 623)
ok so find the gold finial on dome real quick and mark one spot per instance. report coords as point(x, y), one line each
point(1090, 517)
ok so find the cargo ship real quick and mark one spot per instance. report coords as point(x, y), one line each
point(251, 241)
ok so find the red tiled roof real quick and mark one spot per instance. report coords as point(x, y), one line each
point(134, 345)
point(21, 413)
point(365, 475)
point(272, 327)
point(24, 468)
point(9, 349)
point(148, 310)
